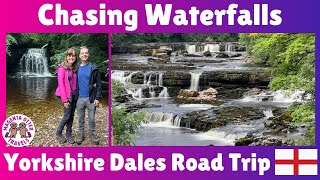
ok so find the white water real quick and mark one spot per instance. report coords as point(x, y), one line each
point(136, 90)
point(191, 49)
point(229, 47)
point(212, 48)
point(195, 77)
point(162, 119)
point(34, 63)
point(280, 96)
point(230, 133)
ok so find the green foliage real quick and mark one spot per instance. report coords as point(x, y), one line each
point(303, 112)
point(117, 88)
point(291, 58)
point(125, 124)
point(9, 41)
point(58, 44)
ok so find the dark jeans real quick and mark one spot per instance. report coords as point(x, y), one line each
point(67, 119)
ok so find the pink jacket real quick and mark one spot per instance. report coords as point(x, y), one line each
point(65, 87)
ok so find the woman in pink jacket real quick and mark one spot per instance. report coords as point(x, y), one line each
point(67, 87)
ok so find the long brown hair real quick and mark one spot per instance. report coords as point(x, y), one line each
point(75, 64)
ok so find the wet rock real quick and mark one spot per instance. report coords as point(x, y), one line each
point(134, 107)
point(207, 96)
point(151, 91)
point(210, 92)
point(269, 141)
point(182, 52)
point(122, 98)
point(280, 124)
point(245, 141)
point(176, 78)
point(200, 61)
point(146, 52)
point(165, 49)
point(244, 79)
point(232, 55)
point(173, 91)
point(207, 54)
point(222, 55)
point(164, 56)
point(193, 55)
point(188, 93)
point(230, 93)
point(205, 120)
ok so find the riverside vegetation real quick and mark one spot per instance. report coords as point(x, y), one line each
point(32, 60)
point(167, 78)
point(291, 58)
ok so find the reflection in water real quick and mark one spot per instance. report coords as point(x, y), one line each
point(35, 97)
point(32, 96)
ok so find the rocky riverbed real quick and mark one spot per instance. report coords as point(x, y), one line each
point(202, 94)
point(44, 135)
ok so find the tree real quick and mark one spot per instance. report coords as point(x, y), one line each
point(291, 58)
point(125, 125)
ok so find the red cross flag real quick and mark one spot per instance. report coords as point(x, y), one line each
point(296, 162)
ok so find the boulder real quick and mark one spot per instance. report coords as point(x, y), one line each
point(163, 56)
point(165, 49)
point(222, 55)
point(188, 93)
point(146, 52)
point(154, 52)
point(182, 52)
point(210, 91)
point(235, 55)
point(207, 54)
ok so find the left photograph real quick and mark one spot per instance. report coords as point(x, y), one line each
point(56, 90)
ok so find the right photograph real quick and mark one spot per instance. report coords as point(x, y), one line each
point(253, 89)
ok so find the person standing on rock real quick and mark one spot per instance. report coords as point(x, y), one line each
point(66, 91)
point(89, 90)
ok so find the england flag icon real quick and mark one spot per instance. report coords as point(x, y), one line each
point(296, 162)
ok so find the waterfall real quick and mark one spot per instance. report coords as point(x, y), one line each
point(195, 77)
point(176, 121)
point(151, 80)
point(164, 93)
point(151, 92)
point(191, 49)
point(119, 76)
point(34, 62)
point(268, 113)
point(163, 118)
point(282, 96)
point(229, 47)
point(160, 83)
point(212, 47)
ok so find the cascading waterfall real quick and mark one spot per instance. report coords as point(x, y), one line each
point(195, 77)
point(163, 118)
point(151, 80)
point(34, 62)
point(229, 47)
point(191, 48)
point(276, 96)
point(212, 47)
point(160, 83)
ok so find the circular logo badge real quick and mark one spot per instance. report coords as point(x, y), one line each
point(18, 130)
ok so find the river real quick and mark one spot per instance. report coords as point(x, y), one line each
point(242, 86)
